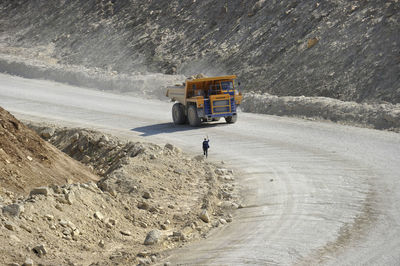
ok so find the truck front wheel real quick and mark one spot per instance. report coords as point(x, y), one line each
point(194, 119)
point(231, 119)
point(178, 114)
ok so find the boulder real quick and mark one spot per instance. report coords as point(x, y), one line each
point(204, 216)
point(13, 210)
point(40, 191)
point(153, 237)
point(169, 146)
point(47, 133)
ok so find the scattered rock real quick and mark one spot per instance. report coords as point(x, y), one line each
point(40, 250)
point(49, 217)
point(152, 237)
point(125, 233)
point(67, 231)
point(312, 42)
point(75, 234)
point(86, 159)
point(101, 243)
point(40, 191)
point(198, 158)
point(14, 238)
point(215, 223)
point(144, 261)
point(75, 137)
point(28, 262)
point(69, 197)
point(228, 205)
point(143, 205)
point(143, 224)
point(204, 216)
point(26, 228)
point(63, 223)
point(9, 225)
point(98, 216)
point(221, 171)
point(147, 195)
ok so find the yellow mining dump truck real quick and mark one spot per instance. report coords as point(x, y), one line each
point(204, 100)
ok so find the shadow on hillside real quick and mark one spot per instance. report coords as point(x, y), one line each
point(155, 129)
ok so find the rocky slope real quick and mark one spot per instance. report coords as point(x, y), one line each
point(149, 198)
point(347, 50)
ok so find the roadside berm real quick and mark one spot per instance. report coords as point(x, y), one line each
point(133, 200)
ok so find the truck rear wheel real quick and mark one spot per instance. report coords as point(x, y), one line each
point(193, 118)
point(231, 119)
point(178, 114)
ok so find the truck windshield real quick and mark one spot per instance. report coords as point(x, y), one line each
point(227, 85)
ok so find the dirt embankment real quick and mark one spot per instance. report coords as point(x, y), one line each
point(148, 199)
point(377, 116)
point(27, 161)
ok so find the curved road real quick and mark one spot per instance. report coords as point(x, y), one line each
point(314, 193)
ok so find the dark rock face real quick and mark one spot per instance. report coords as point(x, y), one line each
point(349, 50)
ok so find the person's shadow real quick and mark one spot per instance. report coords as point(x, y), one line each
point(155, 129)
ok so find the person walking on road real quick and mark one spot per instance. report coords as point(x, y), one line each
point(206, 146)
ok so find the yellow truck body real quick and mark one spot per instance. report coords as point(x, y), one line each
point(205, 99)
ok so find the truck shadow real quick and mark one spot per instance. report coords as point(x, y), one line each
point(155, 129)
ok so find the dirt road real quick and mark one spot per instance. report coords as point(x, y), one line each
point(313, 192)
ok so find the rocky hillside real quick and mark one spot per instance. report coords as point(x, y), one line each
point(27, 161)
point(347, 50)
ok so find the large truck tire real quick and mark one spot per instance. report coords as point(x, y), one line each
point(231, 119)
point(178, 114)
point(193, 118)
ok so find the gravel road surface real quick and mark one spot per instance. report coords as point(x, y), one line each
point(314, 193)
